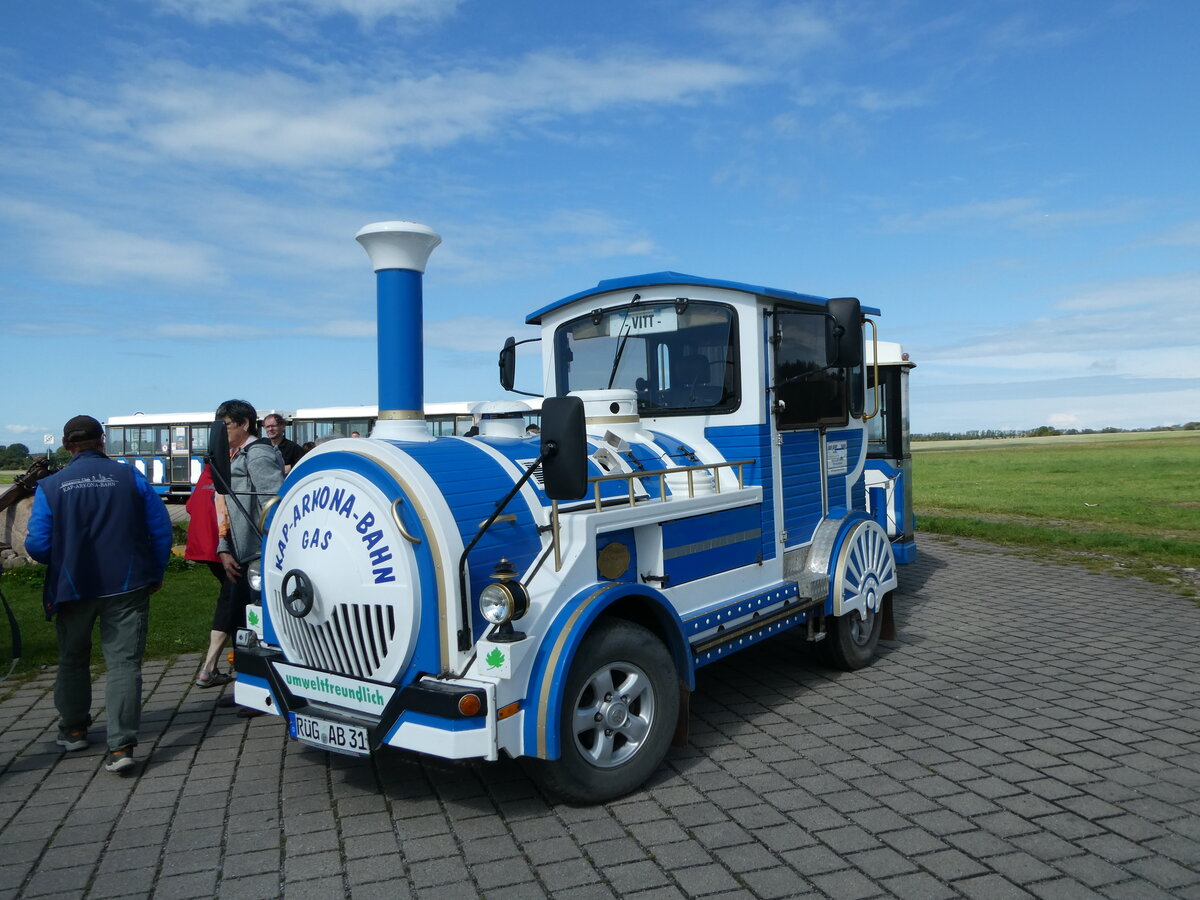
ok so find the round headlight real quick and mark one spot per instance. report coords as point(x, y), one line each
point(254, 575)
point(496, 604)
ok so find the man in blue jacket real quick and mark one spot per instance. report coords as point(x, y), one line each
point(105, 536)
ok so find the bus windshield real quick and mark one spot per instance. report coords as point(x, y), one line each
point(678, 355)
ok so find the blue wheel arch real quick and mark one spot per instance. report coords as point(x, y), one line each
point(552, 665)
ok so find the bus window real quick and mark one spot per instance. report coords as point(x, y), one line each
point(200, 439)
point(140, 441)
point(115, 442)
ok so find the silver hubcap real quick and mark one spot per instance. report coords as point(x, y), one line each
point(613, 714)
point(861, 627)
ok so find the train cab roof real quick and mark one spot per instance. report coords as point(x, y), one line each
point(653, 279)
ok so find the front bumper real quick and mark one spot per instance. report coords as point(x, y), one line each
point(424, 715)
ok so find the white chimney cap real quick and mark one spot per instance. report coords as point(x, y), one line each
point(398, 245)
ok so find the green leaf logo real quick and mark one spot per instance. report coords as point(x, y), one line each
point(252, 617)
point(495, 659)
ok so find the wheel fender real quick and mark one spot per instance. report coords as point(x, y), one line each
point(863, 570)
point(557, 652)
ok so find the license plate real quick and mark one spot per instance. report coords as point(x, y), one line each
point(340, 737)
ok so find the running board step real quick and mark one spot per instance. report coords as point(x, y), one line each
point(757, 624)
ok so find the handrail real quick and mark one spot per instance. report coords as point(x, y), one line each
point(878, 387)
point(597, 480)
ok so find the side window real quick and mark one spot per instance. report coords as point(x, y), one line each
point(878, 436)
point(808, 393)
point(115, 442)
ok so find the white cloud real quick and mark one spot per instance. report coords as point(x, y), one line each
point(1120, 404)
point(279, 13)
point(464, 333)
point(1178, 291)
point(79, 250)
point(1117, 338)
point(1065, 420)
point(1021, 33)
point(1186, 234)
point(1026, 213)
point(786, 29)
point(273, 118)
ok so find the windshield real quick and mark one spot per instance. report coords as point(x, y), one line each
point(678, 355)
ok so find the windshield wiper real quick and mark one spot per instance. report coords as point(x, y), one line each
point(622, 340)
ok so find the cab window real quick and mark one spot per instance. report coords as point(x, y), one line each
point(679, 355)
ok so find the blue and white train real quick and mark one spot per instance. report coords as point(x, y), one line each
point(701, 483)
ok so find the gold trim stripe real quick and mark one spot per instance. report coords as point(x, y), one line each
point(435, 551)
point(612, 420)
point(738, 537)
point(401, 414)
point(552, 665)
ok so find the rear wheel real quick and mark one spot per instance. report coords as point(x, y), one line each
point(863, 577)
point(619, 711)
point(851, 640)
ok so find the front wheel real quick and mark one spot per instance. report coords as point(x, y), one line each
point(619, 711)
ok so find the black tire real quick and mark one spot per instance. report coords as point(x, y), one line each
point(630, 739)
point(850, 640)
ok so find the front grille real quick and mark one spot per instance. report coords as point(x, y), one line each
point(355, 640)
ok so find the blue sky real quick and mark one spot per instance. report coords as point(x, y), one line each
point(1013, 183)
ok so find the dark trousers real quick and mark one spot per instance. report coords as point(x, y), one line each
point(123, 622)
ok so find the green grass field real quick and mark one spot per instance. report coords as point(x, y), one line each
point(1115, 501)
point(1128, 500)
point(180, 616)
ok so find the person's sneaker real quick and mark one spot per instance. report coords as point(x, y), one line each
point(119, 760)
point(73, 740)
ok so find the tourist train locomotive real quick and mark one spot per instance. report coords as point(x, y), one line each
point(701, 483)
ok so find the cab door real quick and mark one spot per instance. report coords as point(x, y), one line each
point(808, 396)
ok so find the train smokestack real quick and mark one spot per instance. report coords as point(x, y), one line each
point(398, 253)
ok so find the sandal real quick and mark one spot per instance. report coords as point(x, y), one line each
point(215, 679)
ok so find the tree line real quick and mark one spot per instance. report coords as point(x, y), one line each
point(1041, 431)
point(18, 456)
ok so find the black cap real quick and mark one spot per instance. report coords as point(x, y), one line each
point(82, 428)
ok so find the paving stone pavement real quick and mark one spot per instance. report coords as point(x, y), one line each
point(1034, 732)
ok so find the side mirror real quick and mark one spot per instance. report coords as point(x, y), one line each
point(846, 344)
point(564, 448)
point(218, 456)
point(508, 363)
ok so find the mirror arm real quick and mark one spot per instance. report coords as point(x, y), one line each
point(228, 492)
point(464, 632)
point(513, 346)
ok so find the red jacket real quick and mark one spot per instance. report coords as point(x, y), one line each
point(202, 530)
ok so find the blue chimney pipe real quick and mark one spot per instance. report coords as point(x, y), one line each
point(398, 252)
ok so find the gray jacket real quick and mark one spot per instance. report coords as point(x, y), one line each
point(256, 472)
